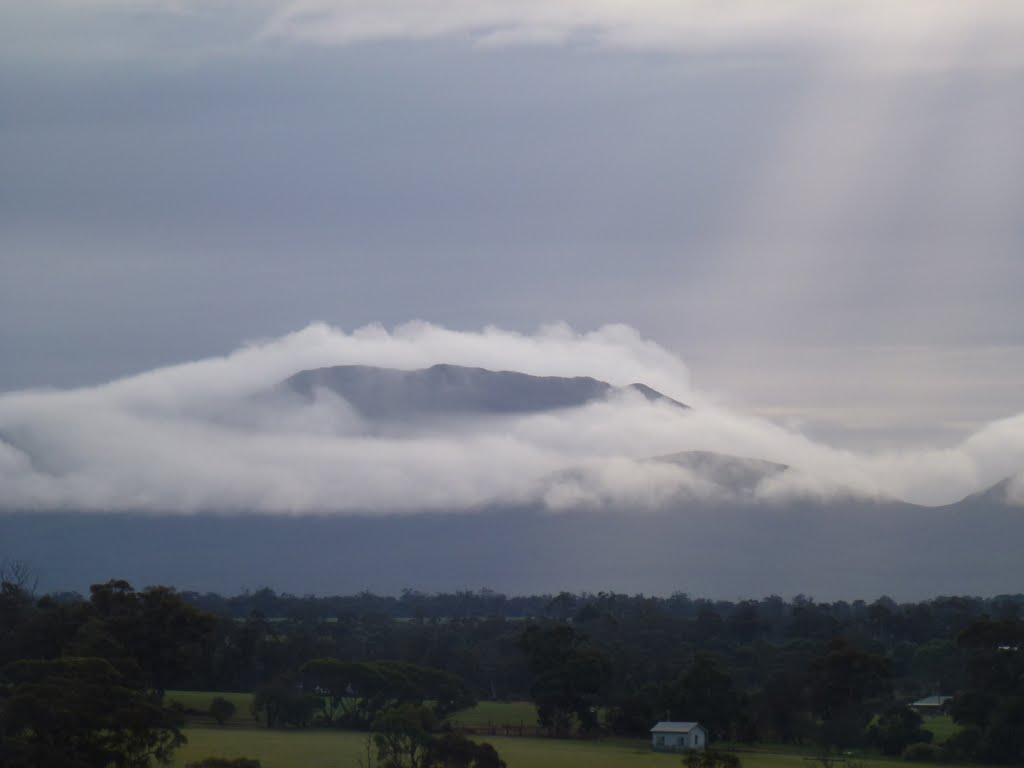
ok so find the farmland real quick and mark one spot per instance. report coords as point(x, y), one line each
point(610, 670)
point(329, 748)
point(196, 702)
point(343, 749)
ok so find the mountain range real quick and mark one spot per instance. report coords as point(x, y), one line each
point(390, 394)
point(731, 545)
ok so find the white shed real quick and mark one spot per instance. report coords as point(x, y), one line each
point(668, 736)
point(931, 705)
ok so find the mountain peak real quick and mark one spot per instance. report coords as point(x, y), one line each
point(388, 393)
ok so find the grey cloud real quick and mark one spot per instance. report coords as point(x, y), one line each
point(841, 176)
point(894, 32)
point(870, 33)
point(208, 436)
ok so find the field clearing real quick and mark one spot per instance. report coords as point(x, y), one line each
point(496, 713)
point(273, 748)
point(199, 701)
point(941, 726)
point(343, 749)
point(316, 748)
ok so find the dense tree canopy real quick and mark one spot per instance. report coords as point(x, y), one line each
point(81, 682)
point(796, 671)
point(992, 705)
point(567, 677)
point(80, 713)
point(354, 693)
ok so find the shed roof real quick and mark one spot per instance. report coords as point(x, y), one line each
point(668, 726)
point(931, 701)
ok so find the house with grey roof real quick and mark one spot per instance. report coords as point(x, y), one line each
point(670, 736)
point(932, 705)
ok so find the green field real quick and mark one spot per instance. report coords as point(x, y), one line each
point(199, 701)
point(342, 749)
point(941, 726)
point(497, 713)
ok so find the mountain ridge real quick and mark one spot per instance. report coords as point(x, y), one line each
point(382, 393)
point(830, 549)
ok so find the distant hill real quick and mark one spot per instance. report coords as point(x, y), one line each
point(828, 549)
point(997, 495)
point(721, 477)
point(728, 545)
point(732, 541)
point(738, 474)
point(390, 394)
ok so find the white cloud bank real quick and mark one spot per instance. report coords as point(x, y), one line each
point(207, 436)
point(864, 33)
point(909, 32)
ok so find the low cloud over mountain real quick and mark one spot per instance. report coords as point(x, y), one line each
point(424, 419)
point(442, 390)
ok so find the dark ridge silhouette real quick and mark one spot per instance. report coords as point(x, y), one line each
point(830, 549)
point(387, 393)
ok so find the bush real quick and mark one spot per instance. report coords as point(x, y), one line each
point(225, 762)
point(711, 758)
point(923, 752)
point(221, 709)
point(964, 744)
point(896, 729)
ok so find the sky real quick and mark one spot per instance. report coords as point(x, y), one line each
point(810, 209)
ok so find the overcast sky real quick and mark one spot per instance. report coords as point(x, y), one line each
point(815, 205)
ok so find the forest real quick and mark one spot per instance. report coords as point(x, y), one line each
point(85, 676)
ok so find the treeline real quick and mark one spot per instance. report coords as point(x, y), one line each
point(82, 681)
point(773, 613)
point(837, 674)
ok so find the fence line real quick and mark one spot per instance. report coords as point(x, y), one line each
point(501, 729)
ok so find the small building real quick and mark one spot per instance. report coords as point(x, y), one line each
point(668, 736)
point(932, 705)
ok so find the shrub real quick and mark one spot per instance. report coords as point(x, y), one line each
point(964, 744)
point(711, 758)
point(225, 762)
point(221, 709)
point(897, 728)
point(923, 752)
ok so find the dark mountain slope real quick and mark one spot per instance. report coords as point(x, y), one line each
point(739, 474)
point(827, 549)
point(386, 393)
point(998, 495)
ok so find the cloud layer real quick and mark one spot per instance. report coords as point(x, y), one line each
point(865, 33)
point(839, 177)
point(215, 435)
point(915, 31)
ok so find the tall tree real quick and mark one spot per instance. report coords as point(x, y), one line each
point(897, 728)
point(706, 693)
point(842, 684)
point(402, 736)
point(156, 627)
point(79, 713)
point(567, 676)
point(993, 702)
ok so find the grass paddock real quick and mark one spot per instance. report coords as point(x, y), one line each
point(323, 748)
point(199, 701)
point(496, 713)
point(941, 727)
point(343, 749)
